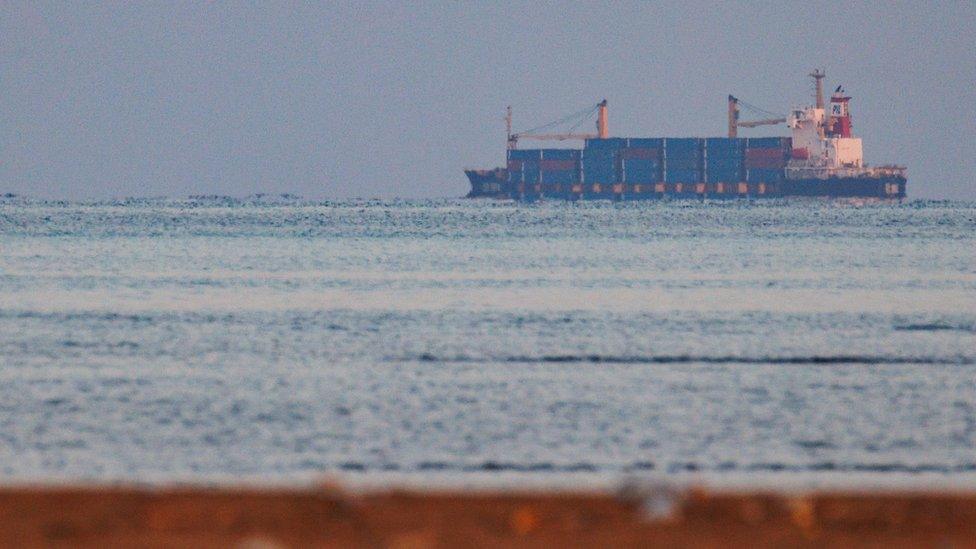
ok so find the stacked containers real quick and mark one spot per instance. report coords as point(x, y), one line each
point(724, 159)
point(600, 166)
point(523, 172)
point(559, 170)
point(683, 160)
point(766, 158)
point(640, 164)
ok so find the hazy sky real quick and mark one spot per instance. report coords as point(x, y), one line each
point(395, 98)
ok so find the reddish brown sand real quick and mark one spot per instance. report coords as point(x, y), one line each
point(327, 517)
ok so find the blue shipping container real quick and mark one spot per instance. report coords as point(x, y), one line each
point(599, 165)
point(724, 163)
point(565, 176)
point(640, 176)
point(599, 177)
point(598, 154)
point(724, 176)
point(648, 162)
point(682, 176)
point(683, 153)
point(560, 154)
point(725, 145)
point(525, 154)
point(683, 164)
point(682, 144)
point(640, 170)
point(645, 142)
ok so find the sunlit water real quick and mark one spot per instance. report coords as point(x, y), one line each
point(215, 339)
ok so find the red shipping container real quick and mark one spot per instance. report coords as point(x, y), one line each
point(766, 163)
point(765, 153)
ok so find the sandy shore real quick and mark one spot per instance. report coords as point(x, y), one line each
point(330, 517)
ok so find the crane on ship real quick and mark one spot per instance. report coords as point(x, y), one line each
point(577, 119)
point(734, 123)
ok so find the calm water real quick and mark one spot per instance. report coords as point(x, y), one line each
point(278, 339)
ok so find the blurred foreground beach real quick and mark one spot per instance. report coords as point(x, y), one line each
point(327, 516)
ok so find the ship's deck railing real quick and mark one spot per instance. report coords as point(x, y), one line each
point(820, 172)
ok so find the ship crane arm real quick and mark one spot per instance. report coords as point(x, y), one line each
point(766, 122)
point(556, 136)
point(578, 118)
point(735, 123)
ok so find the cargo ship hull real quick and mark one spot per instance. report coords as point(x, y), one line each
point(487, 183)
point(847, 187)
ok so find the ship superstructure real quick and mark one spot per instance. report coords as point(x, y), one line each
point(821, 158)
point(823, 146)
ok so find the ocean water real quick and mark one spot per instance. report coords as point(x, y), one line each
point(214, 339)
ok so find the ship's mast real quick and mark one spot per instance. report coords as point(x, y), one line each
point(602, 121)
point(818, 76)
point(733, 117)
point(512, 143)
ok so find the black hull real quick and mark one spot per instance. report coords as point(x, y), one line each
point(488, 183)
point(848, 187)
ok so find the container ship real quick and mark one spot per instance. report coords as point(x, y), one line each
point(821, 158)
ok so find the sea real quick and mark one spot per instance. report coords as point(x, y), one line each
point(480, 343)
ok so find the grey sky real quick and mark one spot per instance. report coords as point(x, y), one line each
point(395, 98)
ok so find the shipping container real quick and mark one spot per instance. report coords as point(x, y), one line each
point(678, 175)
point(681, 163)
point(560, 154)
point(558, 165)
point(727, 175)
point(724, 163)
point(599, 154)
point(683, 153)
point(645, 142)
point(606, 178)
point(599, 166)
point(530, 172)
point(640, 170)
point(727, 145)
point(524, 154)
point(766, 158)
point(563, 177)
point(640, 153)
point(609, 143)
point(681, 144)
point(765, 164)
